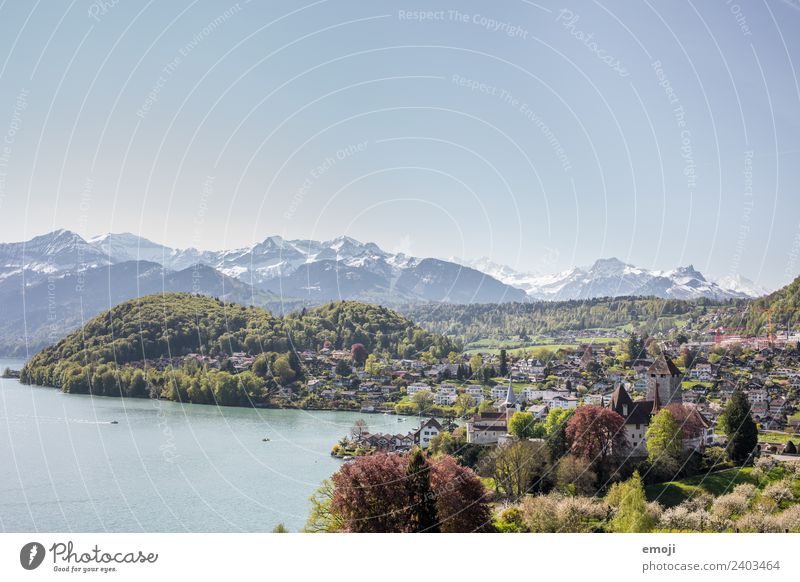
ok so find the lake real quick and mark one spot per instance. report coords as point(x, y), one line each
point(165, 466)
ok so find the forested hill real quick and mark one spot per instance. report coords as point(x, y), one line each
point(784, 305)
point(175, 324)
point(469, 322)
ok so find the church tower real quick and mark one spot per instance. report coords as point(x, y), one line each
point(664, 382)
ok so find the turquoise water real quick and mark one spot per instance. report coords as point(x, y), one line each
point(165, 466)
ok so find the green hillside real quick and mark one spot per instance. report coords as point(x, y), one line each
point(176, 324)
point(785, 306)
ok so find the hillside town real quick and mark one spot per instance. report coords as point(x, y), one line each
point(482, 390)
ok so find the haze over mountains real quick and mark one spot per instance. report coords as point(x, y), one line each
point(53, 282)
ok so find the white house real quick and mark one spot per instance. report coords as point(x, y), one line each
point(486, 428)
point(427, 430)
point(417, 387)
point(476, 392)
point(539, 411)
point(498, 392)
point(444, 398)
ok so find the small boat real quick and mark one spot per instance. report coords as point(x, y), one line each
point(400, 419)
point(265, 439)
point(113, 422)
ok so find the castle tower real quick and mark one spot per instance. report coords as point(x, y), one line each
point(664, 382)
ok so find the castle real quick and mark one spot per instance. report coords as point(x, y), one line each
point(663, 389)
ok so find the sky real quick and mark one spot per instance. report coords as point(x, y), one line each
point(539, 135)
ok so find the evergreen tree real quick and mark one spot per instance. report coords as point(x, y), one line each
point(740, 428)
point(422, 504)
point(503, 363)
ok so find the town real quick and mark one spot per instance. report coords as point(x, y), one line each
point(485, 388)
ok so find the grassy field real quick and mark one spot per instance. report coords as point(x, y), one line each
point(673, 492)
point(518, 347)
point(778, 437)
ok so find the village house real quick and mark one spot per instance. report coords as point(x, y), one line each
point(444, 398)
point(425, 433)
point(476, 392)
point(539, 411)
point(417, 387)
point(485, 428)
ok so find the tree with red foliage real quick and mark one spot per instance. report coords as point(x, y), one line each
point(373, 494)
point(596, 434)
point(461, 498)
point(358, 353)
point(369, 495)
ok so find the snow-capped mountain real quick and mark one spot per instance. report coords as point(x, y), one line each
point(48, 253)
point(315, 271)
point(614, 278)
point(345, 268)
point(743, 285)
point(53, 282)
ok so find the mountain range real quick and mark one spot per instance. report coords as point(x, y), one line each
point(614, 278)
point(52, 283)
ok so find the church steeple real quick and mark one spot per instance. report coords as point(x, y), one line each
point(511, 398)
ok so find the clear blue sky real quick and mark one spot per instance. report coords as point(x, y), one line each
point(663, 133)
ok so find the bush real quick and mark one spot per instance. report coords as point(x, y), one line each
point(758, 522)
point(789, 520)
point(685, 517)
point(780, 492)
point(730, 505)
point(557, 514)
point(510, 520)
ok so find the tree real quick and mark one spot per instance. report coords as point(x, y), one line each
point(503, 363)
point(523, 426)
point(260, 366)
point(556, 418)
point(423, 400)
point(463, 404)
point(664, 440)
point(359, 428)
point(373, 366)
point(282, 370)
point(635, 347)
point(739, 428)
point(322, 518)
point(422, 505)
point(517, 466)
point(575, 476)
point(631, 515)
point(597, 435)
point(475, 364)
point(442, 443)
point(343, 368)
point(280, 528)
point(370, 494)
point(358, 353)
point(461, 499)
